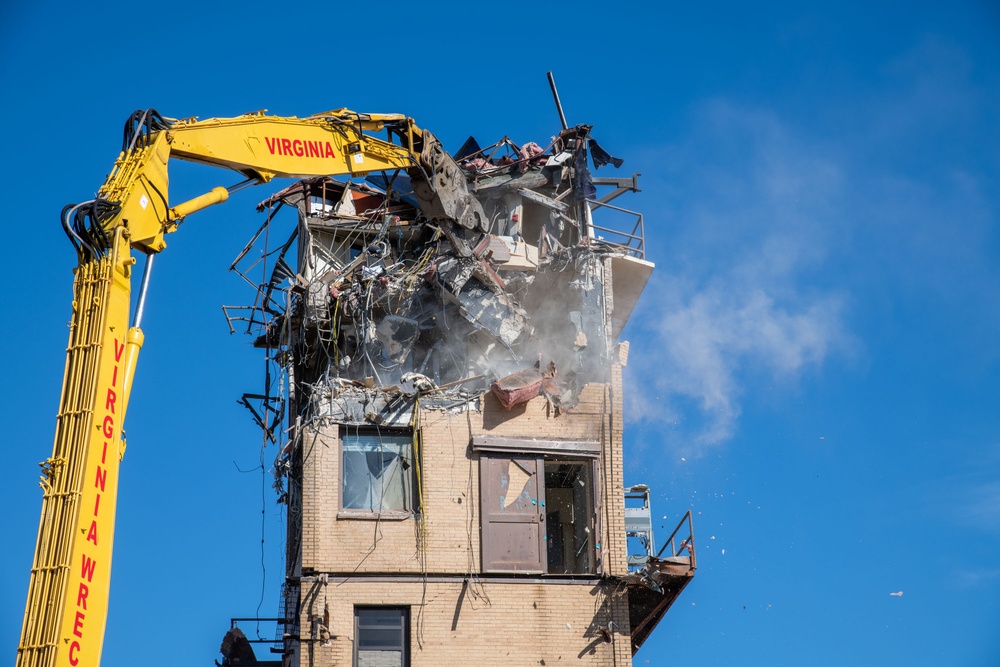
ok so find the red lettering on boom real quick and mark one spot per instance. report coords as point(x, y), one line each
point(88, 565)
point(299, 147)
point(81, 596)
point(87, 571)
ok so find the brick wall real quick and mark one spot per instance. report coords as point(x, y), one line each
point(448, 533)
point(522, 622)
point(483, 624)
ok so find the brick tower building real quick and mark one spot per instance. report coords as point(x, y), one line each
point(453, 473)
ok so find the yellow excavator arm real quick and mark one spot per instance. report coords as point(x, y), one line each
point(67, 602)
point(259, 146)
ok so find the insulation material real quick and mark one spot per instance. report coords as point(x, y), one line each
point(517, 388)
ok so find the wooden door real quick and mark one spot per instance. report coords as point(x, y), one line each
point(512, 502)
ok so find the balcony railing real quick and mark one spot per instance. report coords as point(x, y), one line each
point(686, 544)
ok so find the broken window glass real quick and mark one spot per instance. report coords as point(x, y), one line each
point(378, 471)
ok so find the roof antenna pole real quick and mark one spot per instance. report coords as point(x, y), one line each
point(588, 219)
point(555, 94)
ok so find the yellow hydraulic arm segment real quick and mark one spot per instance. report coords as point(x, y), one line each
point(67, 603)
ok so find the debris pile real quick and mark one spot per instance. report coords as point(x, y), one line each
point(402, 291)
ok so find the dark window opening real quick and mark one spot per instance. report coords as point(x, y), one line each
point(378, 474)
point(569, 512)
point(381, 636)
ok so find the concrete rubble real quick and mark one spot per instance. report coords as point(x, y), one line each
point(404, 292)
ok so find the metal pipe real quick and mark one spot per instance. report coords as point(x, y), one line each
point(615, 231)
point(241, 185)
point(555, 94)
point(147, 269)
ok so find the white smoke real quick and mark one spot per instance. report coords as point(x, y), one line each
point(738, 293)
point(701, 340)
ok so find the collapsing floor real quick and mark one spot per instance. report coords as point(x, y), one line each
point(507, 306)
point(390, 300)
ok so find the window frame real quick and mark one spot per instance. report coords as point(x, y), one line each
point(541, 451)
point(348, 430)
point(404, 648)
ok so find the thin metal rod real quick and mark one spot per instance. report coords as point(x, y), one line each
point(555, 94)
point(147, 269)
point(241, 185)
point(686, 519)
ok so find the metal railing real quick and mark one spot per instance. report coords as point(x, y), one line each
point(687, 544)
point(631, 243)
point(277, 642)
point(235, 623)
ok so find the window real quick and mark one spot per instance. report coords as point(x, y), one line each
point(378, 471)
point(569, 513)
point(539, 508)
point(381, 636)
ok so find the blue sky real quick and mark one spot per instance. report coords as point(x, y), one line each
point(814, 369)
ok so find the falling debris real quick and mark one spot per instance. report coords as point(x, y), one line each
point(517, 388)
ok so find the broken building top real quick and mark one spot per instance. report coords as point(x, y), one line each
point(393, 295)
point(452, 353)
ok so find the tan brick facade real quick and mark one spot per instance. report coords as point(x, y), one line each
point(486, 623)
point(431, 563)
